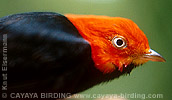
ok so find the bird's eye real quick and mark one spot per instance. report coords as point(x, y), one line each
point(119, 42)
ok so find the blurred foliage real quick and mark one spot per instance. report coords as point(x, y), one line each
point(154, 17)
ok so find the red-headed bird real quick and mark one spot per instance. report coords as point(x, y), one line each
point(49, 52)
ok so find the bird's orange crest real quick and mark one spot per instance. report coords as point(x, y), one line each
point(115, 42)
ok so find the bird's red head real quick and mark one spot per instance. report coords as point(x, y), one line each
point(115, 42)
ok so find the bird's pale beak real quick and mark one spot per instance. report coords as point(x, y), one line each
point(153, 56)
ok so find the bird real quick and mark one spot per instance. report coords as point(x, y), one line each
point(51, 52)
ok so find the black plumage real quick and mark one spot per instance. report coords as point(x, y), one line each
point(46, 53)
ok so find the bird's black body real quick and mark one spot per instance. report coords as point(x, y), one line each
point(46, 53)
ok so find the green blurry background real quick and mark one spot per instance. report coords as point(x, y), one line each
point(154, 17)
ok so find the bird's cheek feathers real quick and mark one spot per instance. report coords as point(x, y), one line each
point(108, 64)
